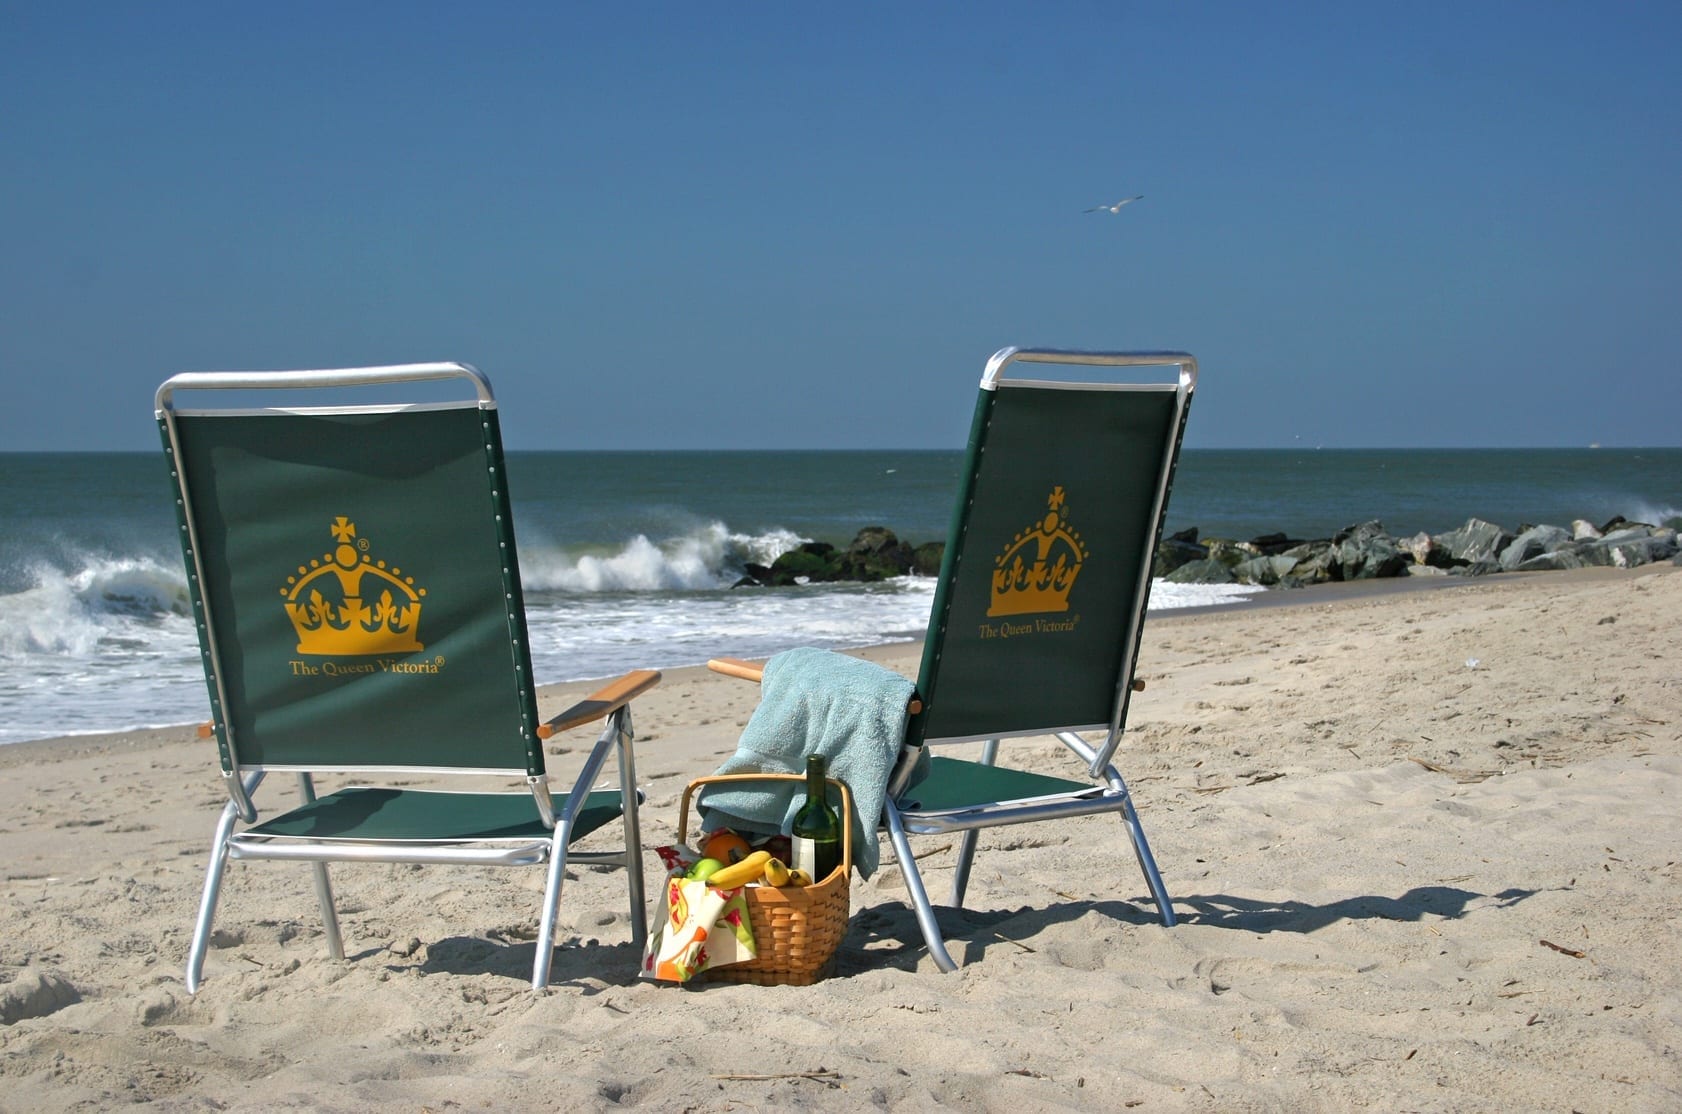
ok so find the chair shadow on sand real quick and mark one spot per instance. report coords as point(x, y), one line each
point(888, 934)
point(577, 967)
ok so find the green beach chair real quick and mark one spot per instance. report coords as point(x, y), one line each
point(357, 595)
point(1036, 619)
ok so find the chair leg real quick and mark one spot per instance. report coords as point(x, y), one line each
point(1147, 863)
point(329, 915)
point(919, 896)
point(207, 902)
point(633, 832)
point(966, 856)
point(967, 842)
point(617, 732)
point(323, 885)
point(551, 906)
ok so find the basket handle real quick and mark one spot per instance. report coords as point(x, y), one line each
point(716, 779)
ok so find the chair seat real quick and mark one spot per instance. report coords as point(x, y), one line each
point(379, 815)
point(956, 785)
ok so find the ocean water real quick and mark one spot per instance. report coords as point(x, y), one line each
point(628, 558)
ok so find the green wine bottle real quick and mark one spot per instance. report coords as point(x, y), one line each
point(817, 830)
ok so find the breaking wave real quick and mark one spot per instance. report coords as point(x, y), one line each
point(712, 556)
point(75, 613)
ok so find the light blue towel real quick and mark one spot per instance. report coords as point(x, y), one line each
point(850, 711)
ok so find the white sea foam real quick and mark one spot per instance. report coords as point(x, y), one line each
point(1167, 597)
point(73, 613)
point(592, 636)
point(48, 619)
point(598, 636)
point(1655, 514)
point(105, 647)
point(710, 557)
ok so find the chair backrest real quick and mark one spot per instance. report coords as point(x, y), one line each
point(353, 575)
point(1046, 576)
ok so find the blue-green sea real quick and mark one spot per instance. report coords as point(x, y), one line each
point(629, 557)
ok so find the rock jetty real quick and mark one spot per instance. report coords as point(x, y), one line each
point(1367, 552)
point(876, 553)
point(1362, 552)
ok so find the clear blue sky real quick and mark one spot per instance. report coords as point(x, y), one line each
point(786, 225)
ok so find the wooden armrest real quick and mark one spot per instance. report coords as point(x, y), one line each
point(736, 667)
point(747, 671)
point(603, 702)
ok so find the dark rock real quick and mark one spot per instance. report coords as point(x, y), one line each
point(1663, 535)
point(1388, 564)
point(1270, 545)
point(1532, 543)
point(1358, 552)
point(874, 567)
point(1360, 532)
point(1265, 570)
point(1206, 571)
point(1425, 550)
point(1366, 552)
point(814, 561)
point(1555, 560)
point(1630, 546)
point(1314, 562)
point(873, 539)
point(1228, 552)
point(1476, 541)
point(1176, 550)
point(876, 553)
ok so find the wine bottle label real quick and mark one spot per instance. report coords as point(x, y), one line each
point(806, 857)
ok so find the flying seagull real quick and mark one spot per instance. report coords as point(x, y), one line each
point(1116, 208)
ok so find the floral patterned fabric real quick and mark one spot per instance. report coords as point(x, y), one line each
point(699, 927)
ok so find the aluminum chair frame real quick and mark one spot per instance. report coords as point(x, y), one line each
point(1111, 793)
point(903, 817)
point(545, 840)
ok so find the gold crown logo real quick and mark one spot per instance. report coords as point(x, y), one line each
point(327, 602)
point(1034, 574)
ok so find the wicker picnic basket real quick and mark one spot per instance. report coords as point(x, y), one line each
point(796, 929)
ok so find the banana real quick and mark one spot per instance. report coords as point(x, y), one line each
point(750, 869)
point(798, 877)
point(776, 874)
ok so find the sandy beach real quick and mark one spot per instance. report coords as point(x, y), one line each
point(1423, 845)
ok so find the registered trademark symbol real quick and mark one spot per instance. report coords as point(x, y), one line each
point(362, 544)
point(439, 660)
